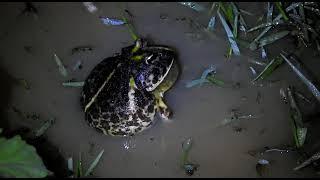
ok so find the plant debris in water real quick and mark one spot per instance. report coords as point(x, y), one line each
point(62, 69)
point(235, 116)
point(211, 24)
point(188, 167)
point(77, 66)
point(90, 7)
point(24, 83)
point(211, 69)
point(307, 162)
point(73, 84)
point(303, 74)
point(299, 129)
point(283, 95)
point(262, 167)
point(94, 163)
point(46, 125)
point(193, 5)
point(269, 69)
point(111, 21)
point(230, 35)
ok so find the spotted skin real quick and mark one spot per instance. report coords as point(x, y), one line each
point(111, 113)
point(154, 67)
point(122, 108)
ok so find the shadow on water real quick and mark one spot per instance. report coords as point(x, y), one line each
point(49, 153)
point(5, 95)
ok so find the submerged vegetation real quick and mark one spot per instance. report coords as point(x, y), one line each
point(298, 21)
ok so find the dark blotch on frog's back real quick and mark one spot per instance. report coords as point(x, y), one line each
point(97, 77)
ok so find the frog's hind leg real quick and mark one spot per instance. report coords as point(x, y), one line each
point(163, 109)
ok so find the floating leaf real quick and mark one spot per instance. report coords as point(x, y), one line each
point(94, 163)
point(20, 160)
point(61, 67)
point(230, 35)
point(269, 68)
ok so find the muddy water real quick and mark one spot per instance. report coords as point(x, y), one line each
point(220, 151)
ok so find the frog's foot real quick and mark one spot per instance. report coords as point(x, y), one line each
point(164, 111)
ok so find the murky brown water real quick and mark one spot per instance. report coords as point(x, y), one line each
point(221, 152)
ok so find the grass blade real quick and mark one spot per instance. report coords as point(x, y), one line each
point(289, 8)
point(39, 132)
point(94, 163)
point(246, 12)
point(269, 68)
point(61, 67)
point(269, 13)
point(230, 35)
point(130, 28)
point(211, 24)
point(215, 81)
point(279, 6)
point(304, 75)
point(272, 38)
point(79, 167)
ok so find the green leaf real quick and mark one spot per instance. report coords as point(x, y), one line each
point(269, 68)
point(20, 160)
point(279, 6)
point(94, 163)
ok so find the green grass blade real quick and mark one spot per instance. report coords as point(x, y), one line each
point(94, 163)
point(279, 6)
point(230, 35)
point(272, 38)
point(130, 28)
point(79, 167)
point(269, 68)
point(215, 81)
